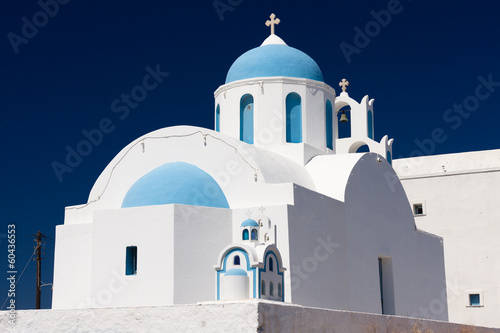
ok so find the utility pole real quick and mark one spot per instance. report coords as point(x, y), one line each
point(38, 241)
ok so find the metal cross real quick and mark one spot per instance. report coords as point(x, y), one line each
point(344, 83)
point(274, 21)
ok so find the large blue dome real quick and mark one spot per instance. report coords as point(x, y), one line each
point(274, 60)
point(179, 183)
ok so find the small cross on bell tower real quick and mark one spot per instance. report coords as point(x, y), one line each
point(274, 21)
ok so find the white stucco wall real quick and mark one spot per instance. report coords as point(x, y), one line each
point(221, 317)
point(461, 197)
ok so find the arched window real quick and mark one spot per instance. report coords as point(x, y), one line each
point(246, 118)
point(245, 234)
point(217, 118)
point(280, 292)
point(254, 234)
point(329, 124)
point(271, 268)
point(389, 157)
point(370, 124)
point(271, 288)
point(263, 287)
point(293, 118)
point(236, 260)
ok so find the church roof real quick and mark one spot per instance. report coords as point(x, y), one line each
point(176, 182)
point(249, 223)
point(274, 58)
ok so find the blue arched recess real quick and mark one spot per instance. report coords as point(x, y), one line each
point(329, 124)
point(176, 183)
point(293, 118)
point(370, 124)
point(217, 118)
point(246, 118)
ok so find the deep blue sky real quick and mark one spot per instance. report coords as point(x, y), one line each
point(63, 80)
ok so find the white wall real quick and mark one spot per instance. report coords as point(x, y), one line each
point(221, 317)
point(461, 200)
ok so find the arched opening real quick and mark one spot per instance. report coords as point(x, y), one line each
point(245, 234)
point(255, 235)
point(344, 127)
point(246, 118)
point(271, 288)
point(263, 287)
point(236, 260)
point(271, 268)
point(293, 118)
point(370, 124)
point(329, 124)
point(217, 118)
point(363, 149)
point(389, 157)
point(280, 292)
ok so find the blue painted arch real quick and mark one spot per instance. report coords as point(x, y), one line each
point(176, 183)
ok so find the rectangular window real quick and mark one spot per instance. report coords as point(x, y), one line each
point(474, 300)
point(418, 209)
point(131, 260)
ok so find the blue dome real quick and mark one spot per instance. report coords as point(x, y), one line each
point(249, 223)
point(179, 183)
point(236, 271)
point(274, 60)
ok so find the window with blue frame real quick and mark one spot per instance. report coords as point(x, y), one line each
point(293, 118)
point(246, 119)
point(329, 124)
point(254, 234)
point(217, 118)
point(236, 260)
point(245, 234)
point(474, 300)
point(131, 260)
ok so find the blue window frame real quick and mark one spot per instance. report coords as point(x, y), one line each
point(329, 124)
point(474, 300)
point(254, 234)
point(245, 234)
point(217, 118)
point(293, 118)
point(246, 119)
point(131, 260)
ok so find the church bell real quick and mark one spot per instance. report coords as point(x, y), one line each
point(343, 118)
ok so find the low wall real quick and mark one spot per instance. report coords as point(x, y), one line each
point(230, 316)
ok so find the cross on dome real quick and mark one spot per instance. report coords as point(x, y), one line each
point(344, 83)
point(274, 21)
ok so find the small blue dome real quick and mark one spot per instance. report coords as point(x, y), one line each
point(236, 271)
point(274, 60)
point(249, 223)
point(179, 183)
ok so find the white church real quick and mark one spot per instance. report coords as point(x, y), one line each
point(271, 204)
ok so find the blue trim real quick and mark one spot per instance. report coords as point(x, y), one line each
point(245, 235)
point(246, 118)
point(271, 252)
point(249, 269)
point(329, 124)
point(293, 118)
point(217, 118)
